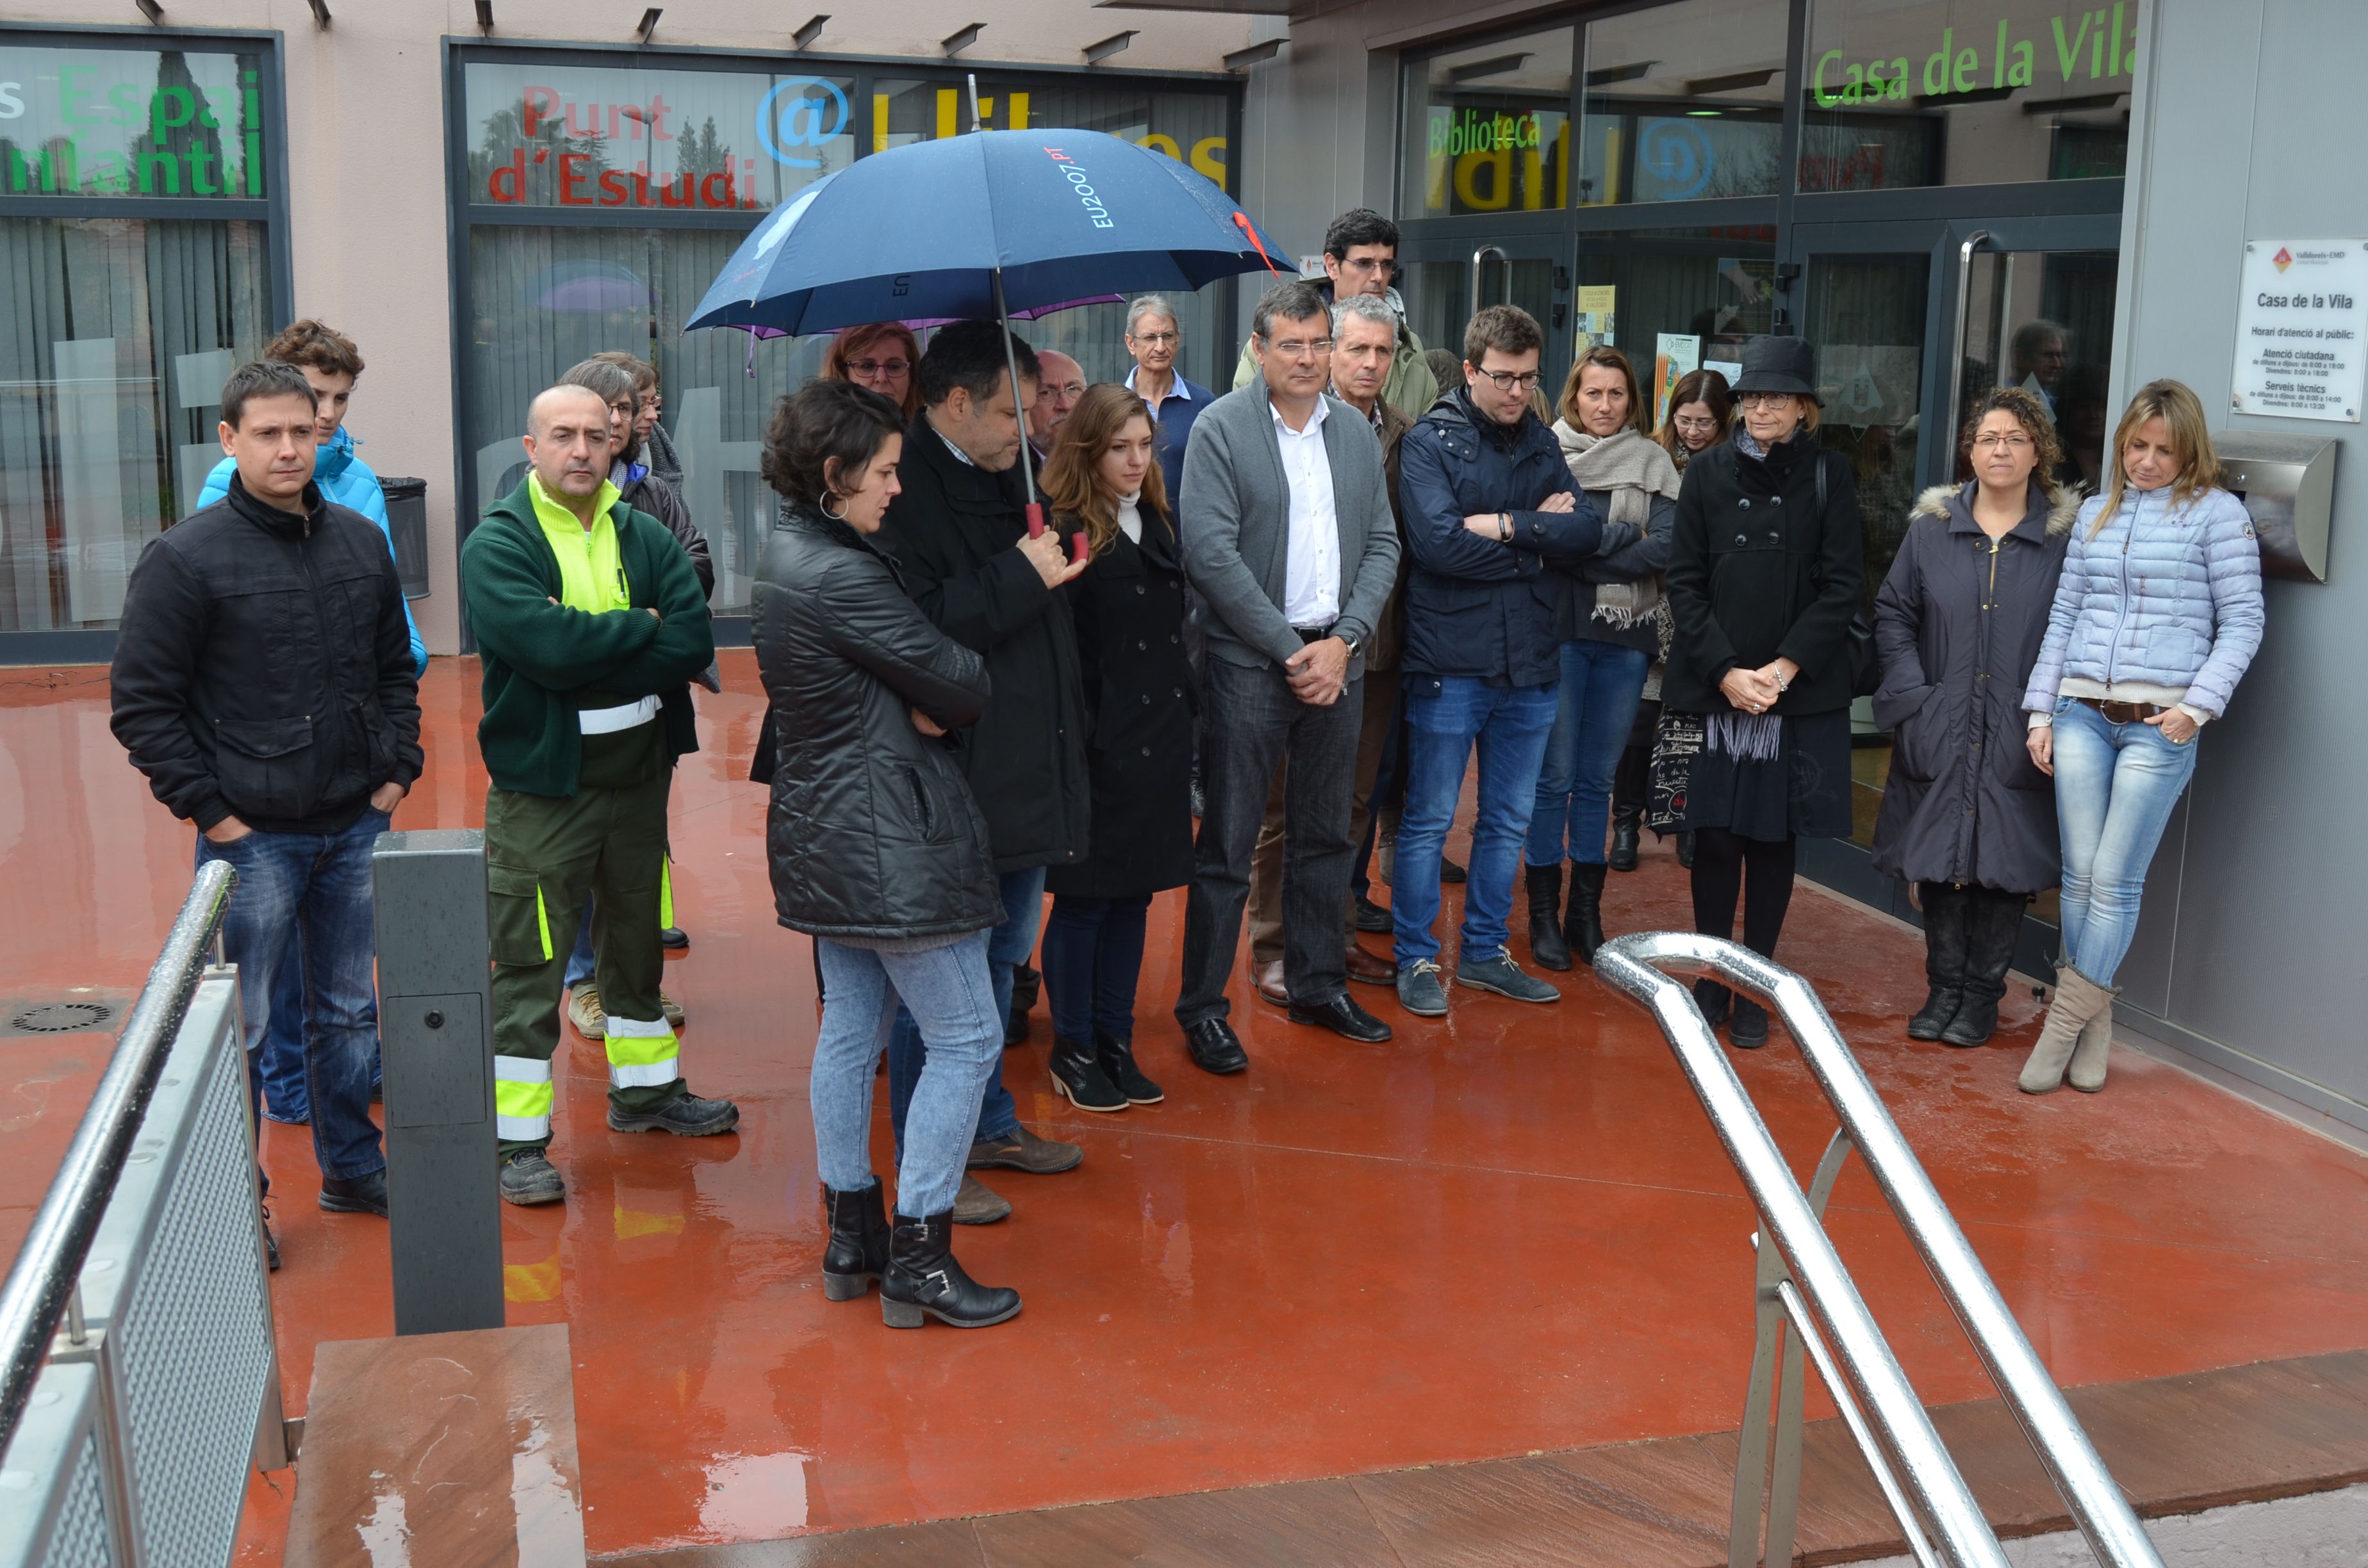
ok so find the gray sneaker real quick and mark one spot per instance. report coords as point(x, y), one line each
point(1419, 991)
point(1497, 971)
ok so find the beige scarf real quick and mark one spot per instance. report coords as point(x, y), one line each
point(1635, 469)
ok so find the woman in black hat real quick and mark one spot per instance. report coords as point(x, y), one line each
point(1764, 574)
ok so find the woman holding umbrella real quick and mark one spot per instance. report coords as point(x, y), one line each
point(1103, 478)
point(876, 849)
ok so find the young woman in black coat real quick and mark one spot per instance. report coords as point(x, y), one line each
point(1764, 575)
point(1967, 815)
point(876, 849)
point(1103, 480)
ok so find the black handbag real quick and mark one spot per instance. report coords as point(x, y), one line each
point(1865, 659)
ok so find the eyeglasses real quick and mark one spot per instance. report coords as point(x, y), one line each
point(879, 367)
point(1153, 339)
point(1385, 267)
point(1513, 380)
point(1766, 400)
point(1295, 349)
point(1695, 422)
point(2013, 441)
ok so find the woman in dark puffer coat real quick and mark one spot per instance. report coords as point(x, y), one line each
point(876, 849)
point(1967, 816)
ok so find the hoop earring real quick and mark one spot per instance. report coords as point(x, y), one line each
point(824, 504)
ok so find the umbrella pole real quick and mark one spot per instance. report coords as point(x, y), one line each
point(1077, 546)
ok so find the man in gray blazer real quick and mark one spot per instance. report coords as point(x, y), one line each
point(1290, 542)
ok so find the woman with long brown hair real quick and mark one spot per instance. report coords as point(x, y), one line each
point(1103, 480)
point(882, 356)
point(1609, 616)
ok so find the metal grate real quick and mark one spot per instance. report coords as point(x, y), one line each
point(60, 1017)
point(194, 1338)
point(79, 1537)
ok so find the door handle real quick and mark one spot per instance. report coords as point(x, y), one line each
point(1974, 242)
point(1482, 254)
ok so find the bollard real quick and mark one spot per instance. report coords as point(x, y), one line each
point(435, 1027)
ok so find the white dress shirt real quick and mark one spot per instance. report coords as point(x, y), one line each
point(1311, 576)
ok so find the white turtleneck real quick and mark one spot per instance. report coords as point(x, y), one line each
point(1130, 516)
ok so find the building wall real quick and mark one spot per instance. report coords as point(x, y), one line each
point(370, 216)
point(2250, 938)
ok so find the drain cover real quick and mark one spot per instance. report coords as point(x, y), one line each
point(62, 1018)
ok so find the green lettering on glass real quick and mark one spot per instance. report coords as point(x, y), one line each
point(2095, 39)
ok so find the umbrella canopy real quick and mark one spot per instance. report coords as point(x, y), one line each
point(921, 232)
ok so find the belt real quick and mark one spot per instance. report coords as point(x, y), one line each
point(1312, 634)
point(2124, 713)
point(624, 716)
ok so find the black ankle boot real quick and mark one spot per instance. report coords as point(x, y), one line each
point(1117, 1058)
point(1077, 1074)
point(1686, 851)
point(924, 1278)
point(1547, 944)
point(1947, 911)
point(1715, 1000)
point(857, 1253)
point(1582, 924)
point(1994, 923)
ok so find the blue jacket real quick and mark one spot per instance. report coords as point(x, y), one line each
point(1476, 607)
point(2166, 596)
point(345, 481)
point(1177, 410)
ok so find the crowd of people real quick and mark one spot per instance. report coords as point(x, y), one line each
point(1251, 645)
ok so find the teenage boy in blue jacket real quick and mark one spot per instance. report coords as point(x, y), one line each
point(331, 364)
point(1488, 504)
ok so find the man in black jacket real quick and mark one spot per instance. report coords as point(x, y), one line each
point(263, 681)
point(960, 533)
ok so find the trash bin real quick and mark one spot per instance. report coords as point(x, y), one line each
point(406, 519)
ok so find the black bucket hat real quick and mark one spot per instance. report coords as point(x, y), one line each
point(1778, 365)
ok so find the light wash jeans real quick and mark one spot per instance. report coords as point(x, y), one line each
point(1008, 946)
point(946, 991)
point(1602, 684)
point(2115, 785)
point(1447, 717)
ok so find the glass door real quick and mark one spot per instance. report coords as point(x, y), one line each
point(1445, 282)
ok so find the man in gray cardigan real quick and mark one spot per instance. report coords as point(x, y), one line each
point(1290, 542)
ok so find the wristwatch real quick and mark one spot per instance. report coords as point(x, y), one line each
point(1504, 527)
point(1352, 644)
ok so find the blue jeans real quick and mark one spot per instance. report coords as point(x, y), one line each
point(1007, 945)
point(318, 884)
point(2115, 785)
point(871, 993)
point(579, 961)
point(1446, 717)
point(1093, 956)
point(284, 1099)
point(1602, 684)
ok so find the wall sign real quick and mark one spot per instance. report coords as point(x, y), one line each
point(2299, 325)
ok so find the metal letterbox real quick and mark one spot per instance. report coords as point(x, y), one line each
point(2287, 482)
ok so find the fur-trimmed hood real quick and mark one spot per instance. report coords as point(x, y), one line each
point(2062, 504)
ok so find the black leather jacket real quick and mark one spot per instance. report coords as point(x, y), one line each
point(872, 832)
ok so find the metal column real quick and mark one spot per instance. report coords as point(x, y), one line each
point(435, 1024)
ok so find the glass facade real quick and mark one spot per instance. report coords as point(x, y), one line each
point(118, 331)
point(600, 200)
point(1684, 102)
point(1488, 129)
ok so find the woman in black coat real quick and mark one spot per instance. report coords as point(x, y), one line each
point(1967, 815)
point(1764, 577)
point(876, 849)
point(1103, 479)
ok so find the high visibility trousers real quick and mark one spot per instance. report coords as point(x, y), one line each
point(543, 857)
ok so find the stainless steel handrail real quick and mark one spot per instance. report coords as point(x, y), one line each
point(41, 1285)
point(2096, 1503)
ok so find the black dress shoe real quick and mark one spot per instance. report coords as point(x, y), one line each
point(673, 939)
point(1372, 916)
point(1449, 871)
point(1344, 1017)
point(355, 1195)
point(1214, 1047)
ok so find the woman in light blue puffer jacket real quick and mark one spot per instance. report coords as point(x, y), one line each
point(2156, 618)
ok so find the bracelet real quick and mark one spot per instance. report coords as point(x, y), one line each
point(1504, 527)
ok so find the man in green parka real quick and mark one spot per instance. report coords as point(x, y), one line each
point(590, 623)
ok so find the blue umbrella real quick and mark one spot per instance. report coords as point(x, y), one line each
point(977, 226)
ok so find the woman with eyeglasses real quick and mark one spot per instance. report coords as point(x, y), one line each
point(1966, 815)
point(882, 357)
point(1763, 579)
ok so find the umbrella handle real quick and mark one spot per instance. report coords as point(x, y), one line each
point(1079, 551)
point(1035, 519)
point(1242, 222)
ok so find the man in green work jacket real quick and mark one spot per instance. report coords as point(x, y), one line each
point(590, 623)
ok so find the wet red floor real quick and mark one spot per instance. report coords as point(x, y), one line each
point(1505, 1230)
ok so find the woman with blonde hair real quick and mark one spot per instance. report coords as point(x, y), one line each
point(1608, 617)
point(883, 356)
point(1103, 480)
point(2156, 616)
point(1959, 621)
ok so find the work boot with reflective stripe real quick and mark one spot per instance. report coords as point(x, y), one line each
point(529, 1177)
point(685, 1115)
point(924, 1281)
